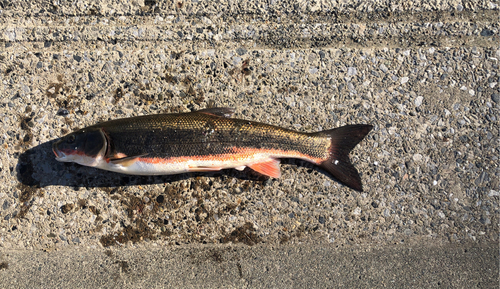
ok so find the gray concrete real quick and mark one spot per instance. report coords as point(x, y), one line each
point(424, 73)
point(289, 266)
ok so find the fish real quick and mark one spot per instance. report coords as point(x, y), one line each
point(205, 141)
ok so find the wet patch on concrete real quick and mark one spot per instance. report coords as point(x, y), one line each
point(244, 234)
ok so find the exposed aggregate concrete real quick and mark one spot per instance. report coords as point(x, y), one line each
point(427, 78)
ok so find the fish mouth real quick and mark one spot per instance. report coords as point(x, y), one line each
point(59, 154)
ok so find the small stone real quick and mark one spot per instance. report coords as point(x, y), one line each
point(25, 88)
point(313, 70)
point(495, 97)
point(485, 220)
point(66, 208)
point(417, 157)
point(418, 101)
point(357, 211)
point(404, 80)
point(483, 177)
point(383, 68)
point(487, 32)
point(352, 71)
point(321, 220)
point(236, 61)
point(11, 34)
point(77, 58)
point(493, 193)
point(241, 51)
point(62, 112)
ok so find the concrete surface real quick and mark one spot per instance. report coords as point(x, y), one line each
point(237, 266)
point(424, 73)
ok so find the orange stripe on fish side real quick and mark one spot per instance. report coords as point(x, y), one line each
point(237, 155)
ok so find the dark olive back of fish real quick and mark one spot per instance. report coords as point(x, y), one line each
point(196, 133)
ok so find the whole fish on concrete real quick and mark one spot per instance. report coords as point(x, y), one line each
point(207, 140)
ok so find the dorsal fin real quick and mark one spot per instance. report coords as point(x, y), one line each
point(218, 111)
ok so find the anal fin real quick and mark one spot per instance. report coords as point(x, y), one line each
point(269, 168)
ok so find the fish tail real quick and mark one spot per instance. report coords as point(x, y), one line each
point(343, 140)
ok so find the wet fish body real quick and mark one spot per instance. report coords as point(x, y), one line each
point(207, 140)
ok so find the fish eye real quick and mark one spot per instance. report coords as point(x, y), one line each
point(71, 138)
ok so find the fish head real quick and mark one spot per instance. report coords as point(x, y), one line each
point(85, 147)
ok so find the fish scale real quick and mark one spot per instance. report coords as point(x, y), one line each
point(196, 134)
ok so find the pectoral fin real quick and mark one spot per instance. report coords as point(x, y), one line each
point(126, 161)
point(270, 168)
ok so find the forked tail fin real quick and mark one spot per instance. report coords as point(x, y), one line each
point(343, 140)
